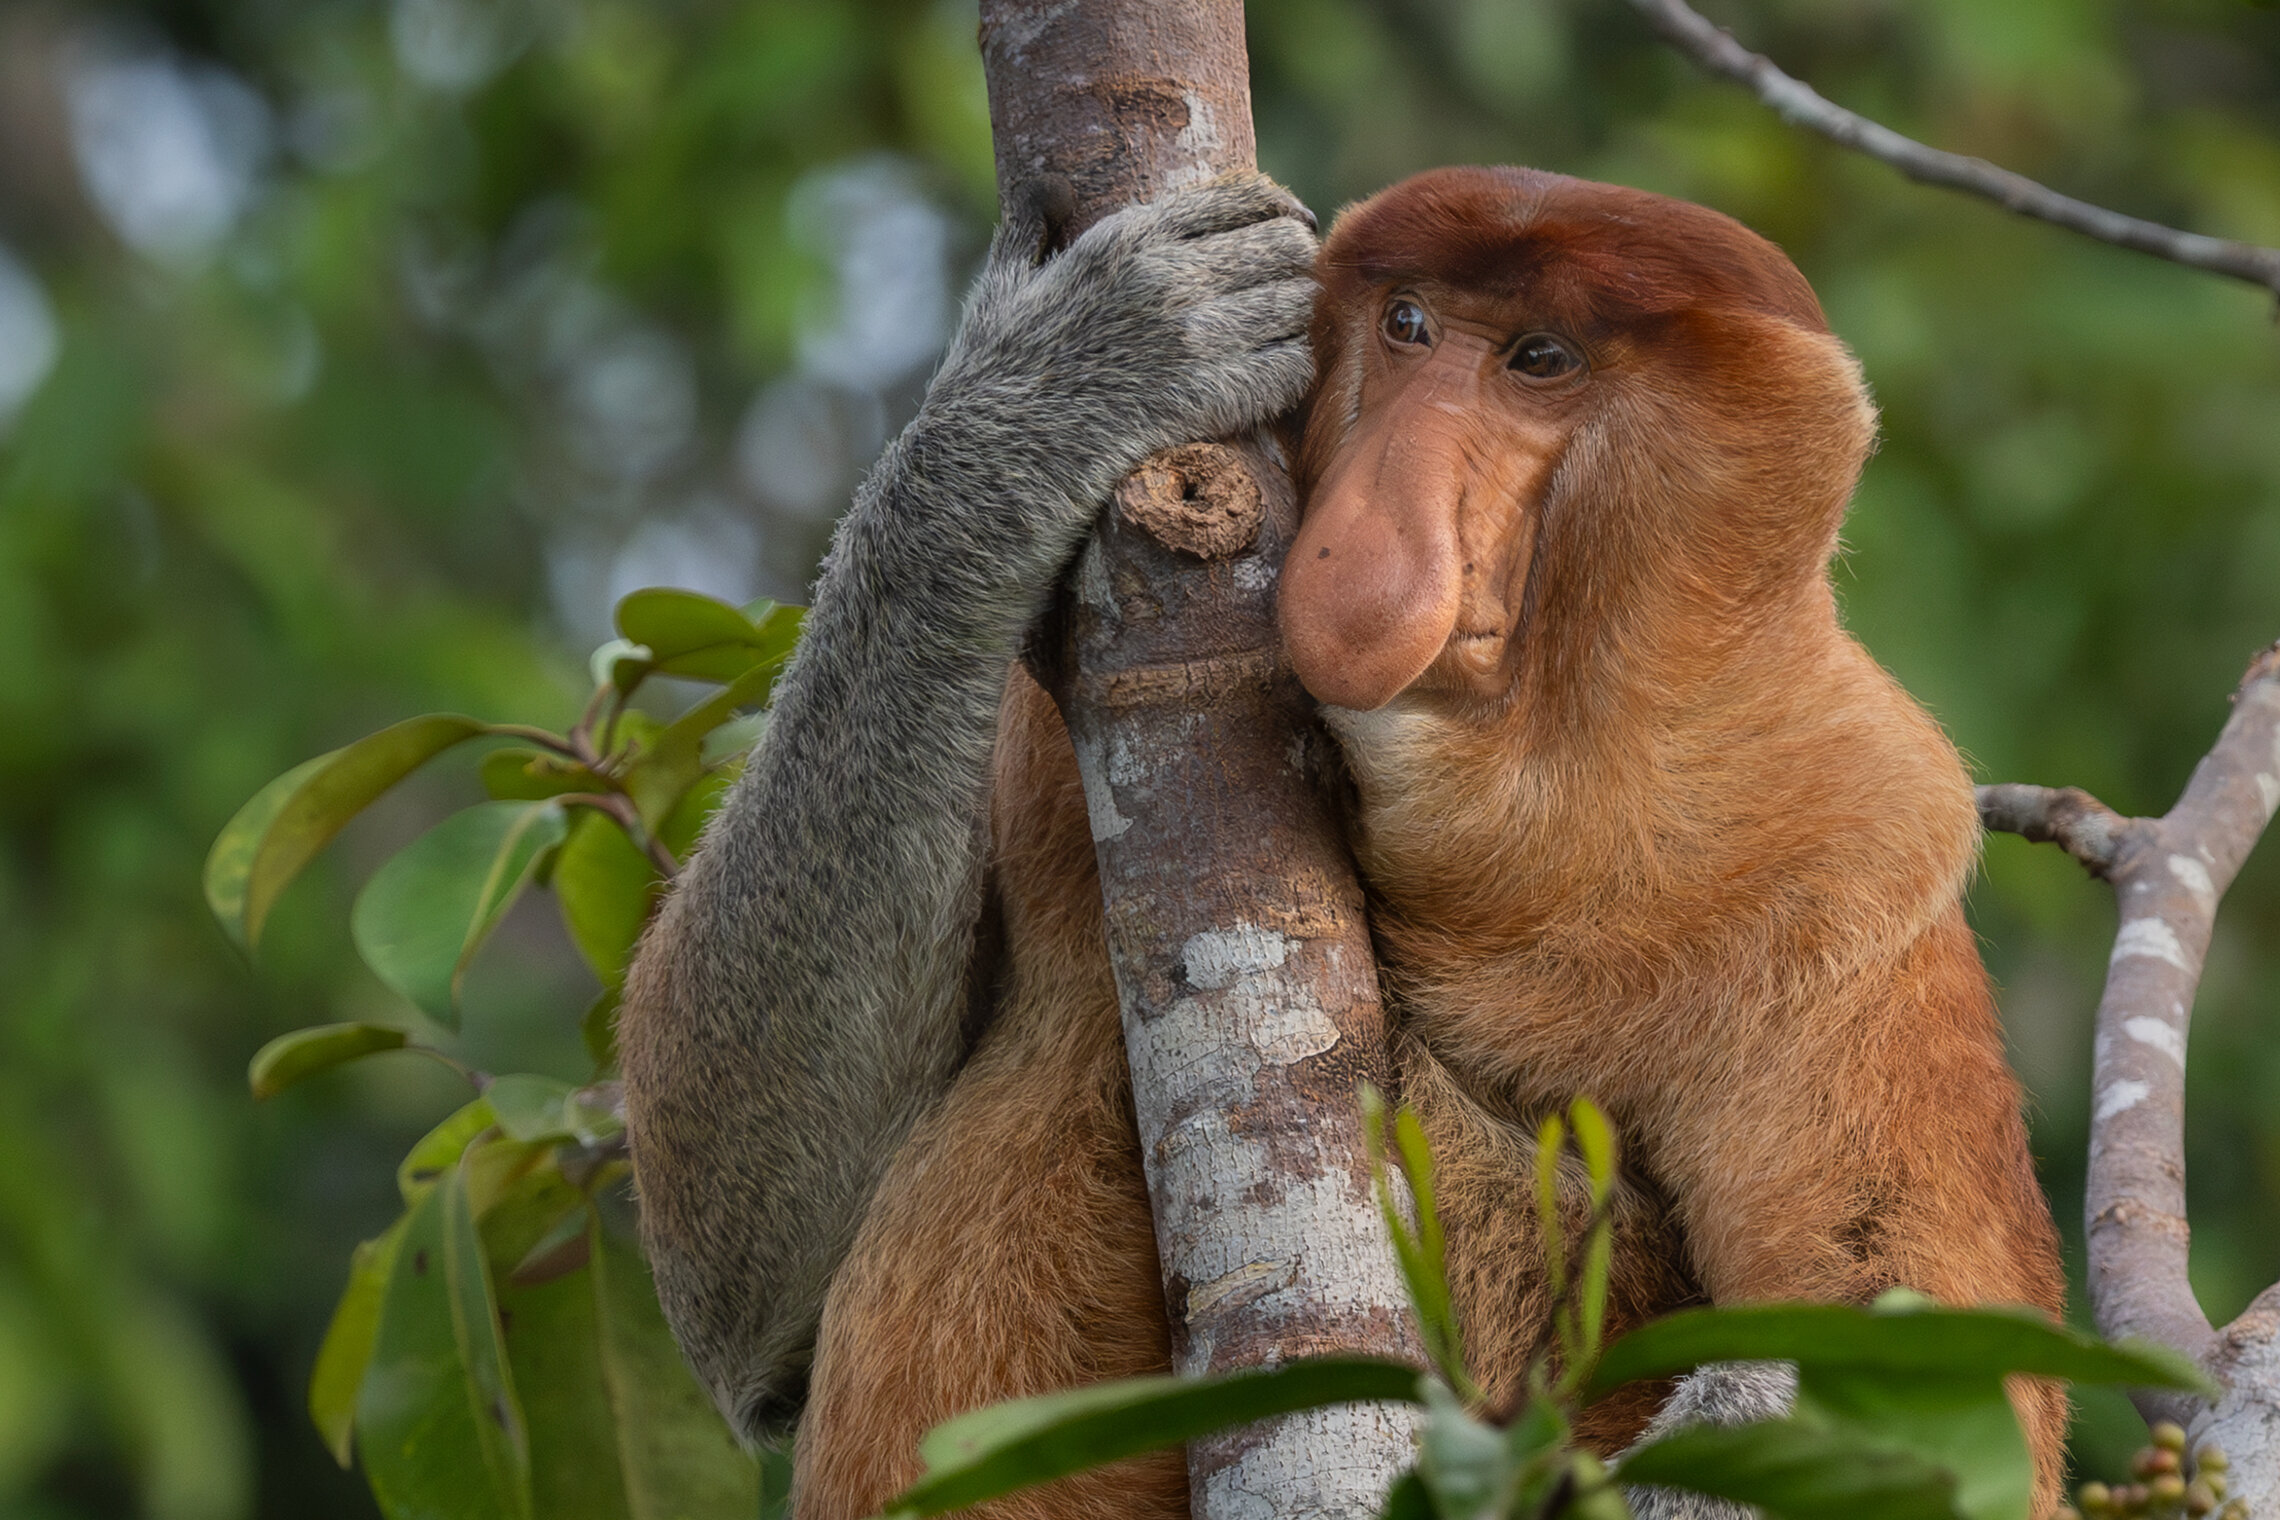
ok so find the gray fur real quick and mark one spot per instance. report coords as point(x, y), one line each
point(796, 1007)
point(1723, 1393)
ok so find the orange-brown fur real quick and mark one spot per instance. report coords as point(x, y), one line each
point(1691, 852)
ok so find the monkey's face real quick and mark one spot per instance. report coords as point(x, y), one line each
point(1540, 397)
point(1411, 568)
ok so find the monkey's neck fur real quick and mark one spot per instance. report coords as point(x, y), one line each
point(1720, 801)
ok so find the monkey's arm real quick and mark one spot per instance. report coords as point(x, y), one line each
point(796, 1006)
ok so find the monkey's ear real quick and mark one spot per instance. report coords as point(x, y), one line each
point(1037, 217)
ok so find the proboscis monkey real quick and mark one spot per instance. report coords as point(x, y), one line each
point(1637, 819)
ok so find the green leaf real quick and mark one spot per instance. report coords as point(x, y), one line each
point(1596, 1140)
point(564, 1248)
point(680, 633)
point(1467, 1465)
point(349, 1340)
point(1408, 1499)
point(679, 1458)
point(1991, 1342)
point(605, 886)
point(439, 1150)
point(437, 1422)
point(1961, 1422)
point(1420, 1254)
point(554, 1342)
point(663, 773)
point(679, 832)
point(1014, 1445)
point(261, 850)
point(424, 914)
point(672, 621)
point(604, 662)
point(1796, 1470)
point(292, 1057)
point(530, 1107)
point(533, 775)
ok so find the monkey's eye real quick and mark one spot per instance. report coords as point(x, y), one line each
point(1540, 356)
point(1405, 322)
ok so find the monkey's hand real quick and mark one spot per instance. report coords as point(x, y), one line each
point(1723, 1393)
point(796, 1006)
point(1162, 324)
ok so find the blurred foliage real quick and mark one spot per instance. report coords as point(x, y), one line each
point(360, 354)
point(499, 1350)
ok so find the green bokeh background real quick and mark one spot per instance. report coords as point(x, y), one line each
point(510, 305)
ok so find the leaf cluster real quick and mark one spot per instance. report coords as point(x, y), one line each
point(1900, 1412)
point(498, 1350)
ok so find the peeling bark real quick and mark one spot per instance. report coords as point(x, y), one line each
point(1234, 920)
point(2169, 874)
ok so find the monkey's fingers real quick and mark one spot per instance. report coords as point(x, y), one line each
point(1243, 320)
point(1237, 392)
point(1222, 205)
point(1260, 254)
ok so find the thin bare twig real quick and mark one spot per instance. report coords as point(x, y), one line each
point(2169, 874)
point(2068, 817)
point(1799, 104)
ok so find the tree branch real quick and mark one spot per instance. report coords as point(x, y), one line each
point(1799, 104)
point(2169, 874)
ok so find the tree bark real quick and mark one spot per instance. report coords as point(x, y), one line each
point(1234, 921)
point(2169, 874)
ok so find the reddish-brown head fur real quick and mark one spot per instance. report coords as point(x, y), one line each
point(1686, 479)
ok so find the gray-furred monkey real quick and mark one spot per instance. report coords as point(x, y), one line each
point(1636, 817)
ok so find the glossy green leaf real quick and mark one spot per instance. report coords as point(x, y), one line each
point(424, 914)
point(603, 663)
point(564, 1248)
point(303, 1053)
point(532, 775)
point(1961, 1422)
point(671, 621)
point(1014, 1445)
point(554, 1342)
point(262, 849)
point(437, 1421)
point(1923, 1341)
point(714, 662)
point(681, 633)
point(1796, 1470)
point(346, 1353)
point(605, 887)
point(440, 1149)
point(679, 1458)
point(533, 1108)
point(530, 1107)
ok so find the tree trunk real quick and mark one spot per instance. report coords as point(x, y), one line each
point(1235, 924)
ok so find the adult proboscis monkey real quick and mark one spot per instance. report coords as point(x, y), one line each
point(1636, 818)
